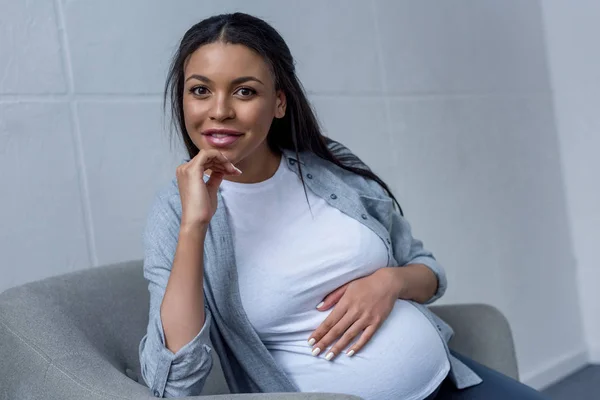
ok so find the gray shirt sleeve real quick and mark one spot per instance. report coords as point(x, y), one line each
point(409, 250)
point(169, 374)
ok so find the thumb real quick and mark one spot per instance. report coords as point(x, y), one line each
point(214, 181)
point(332, 298)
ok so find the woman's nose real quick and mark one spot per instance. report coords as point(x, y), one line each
point(222, 109)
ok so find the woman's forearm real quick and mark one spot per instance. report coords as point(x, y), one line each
point(182, 310)
point(415, 282)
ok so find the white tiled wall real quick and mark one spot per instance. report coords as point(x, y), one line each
point(449, 101)
point(29, 39)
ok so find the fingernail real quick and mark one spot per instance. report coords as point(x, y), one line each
point(316, 352)
point(329, 356)
point(312, 341)
point(237, 169)
point(320, 304)
point(350, 353)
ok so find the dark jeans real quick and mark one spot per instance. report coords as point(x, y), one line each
point(495, 386)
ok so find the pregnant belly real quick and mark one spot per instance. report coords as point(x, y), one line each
point(405, 359)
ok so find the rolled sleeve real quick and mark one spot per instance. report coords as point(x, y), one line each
point(169, 374)
point(408, 250)
point(440, 274)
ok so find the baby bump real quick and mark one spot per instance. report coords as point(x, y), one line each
point(404, 357)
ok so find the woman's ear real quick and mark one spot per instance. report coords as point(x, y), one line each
point(280, 104)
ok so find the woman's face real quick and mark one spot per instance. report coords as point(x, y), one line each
point(229, 103)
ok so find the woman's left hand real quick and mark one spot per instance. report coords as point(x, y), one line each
point(361, 306)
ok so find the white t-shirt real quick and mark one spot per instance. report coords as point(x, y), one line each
point(289, 257)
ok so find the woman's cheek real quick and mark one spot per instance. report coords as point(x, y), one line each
point(263, 117)
point(194, 112)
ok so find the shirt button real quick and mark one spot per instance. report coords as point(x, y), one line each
point(389, 241)
point(156, 394)
point(309, 176)
point(364, 216)
point(292, 161)
point(333, 196)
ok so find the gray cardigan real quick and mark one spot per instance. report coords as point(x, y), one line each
point(247, 364)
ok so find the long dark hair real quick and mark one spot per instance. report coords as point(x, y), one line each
point(299, 129)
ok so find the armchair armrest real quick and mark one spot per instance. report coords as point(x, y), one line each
point(483, 334)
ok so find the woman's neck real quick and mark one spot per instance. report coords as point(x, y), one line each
point(257, 167)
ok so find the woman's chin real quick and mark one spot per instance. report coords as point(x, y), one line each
point(228, 151)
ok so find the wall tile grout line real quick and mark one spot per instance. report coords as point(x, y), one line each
point(76, 134)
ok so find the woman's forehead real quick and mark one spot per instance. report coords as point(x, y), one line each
point(220, 60)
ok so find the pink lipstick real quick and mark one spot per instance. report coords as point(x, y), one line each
point(221, 137)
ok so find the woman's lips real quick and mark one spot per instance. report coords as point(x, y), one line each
point(221, 138)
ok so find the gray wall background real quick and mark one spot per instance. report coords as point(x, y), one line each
point(572, 32)
point(450, 101)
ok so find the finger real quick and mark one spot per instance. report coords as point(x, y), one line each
point(189, 170)
point(215, 165)
point(332, 298)
point(215, 161)
point(227, 168)
point(351, 333)
point(205, 156)
point(215, 180)
point(333, 318)
point(218, 161)
point(362, 340)
point(336, 332)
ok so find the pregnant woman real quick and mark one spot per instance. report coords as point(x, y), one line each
point(279, 249)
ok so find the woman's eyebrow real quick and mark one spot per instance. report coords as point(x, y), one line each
point(236, 81)
point(243, 79)
point(199, 77)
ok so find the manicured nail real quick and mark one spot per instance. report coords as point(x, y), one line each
point(237, 169)
point(316, 352)
point(350, 353)
point(312, 341)
point(320, 304)
point(329, 356)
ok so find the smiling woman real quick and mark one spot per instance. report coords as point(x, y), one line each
point(279, 249)
point(229, 103)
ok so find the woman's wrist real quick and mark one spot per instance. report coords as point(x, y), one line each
point(197, 230)
point(412, 282)
point(395, 282)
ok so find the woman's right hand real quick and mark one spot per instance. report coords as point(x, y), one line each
point(199, 199)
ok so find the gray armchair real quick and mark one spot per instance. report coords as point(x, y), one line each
point(76, 337)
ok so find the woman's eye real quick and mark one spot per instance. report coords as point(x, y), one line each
point(199, 90)
point(246, 92)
